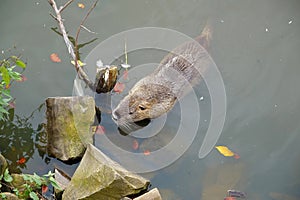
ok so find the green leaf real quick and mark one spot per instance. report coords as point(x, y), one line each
point(3, 196)
point(54, 183)
point(37, 179)
point(34, 196)
point(16, 191)
point(6, 93)
point(20, 63)
point(27, 177)
point(7, 177)
point(5, 75)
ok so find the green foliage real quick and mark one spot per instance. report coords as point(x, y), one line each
point(2, 196)
point(8, 74)
point(32, 186)
point(7, 177)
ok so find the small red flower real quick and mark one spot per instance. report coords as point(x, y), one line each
point(44, 189)
point(21, 161)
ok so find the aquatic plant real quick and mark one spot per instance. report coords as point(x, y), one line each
point(9, 74)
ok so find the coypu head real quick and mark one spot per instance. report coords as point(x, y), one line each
point(144, 101)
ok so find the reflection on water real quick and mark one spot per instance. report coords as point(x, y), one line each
point(255, 45)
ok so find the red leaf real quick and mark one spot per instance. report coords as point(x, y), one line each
point(135, 144)
point(147, 152)
point(23, 78)
point(229, 198)
point(54, 58)
point(21, 161)
point(44, 189)
point(7, 86)
point(100, 130)
point(236, 156)
point(125, 74)
point(119, 87)
point(12, 104)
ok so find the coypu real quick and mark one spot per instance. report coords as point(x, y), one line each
point(157, 93)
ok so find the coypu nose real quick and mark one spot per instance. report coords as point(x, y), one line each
point(115, 115)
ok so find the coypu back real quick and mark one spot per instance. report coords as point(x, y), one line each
point(157, 93)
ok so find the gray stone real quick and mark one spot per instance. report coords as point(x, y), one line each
point(99, 177)
point(62, 180)
point(3, 164)
point(151, 195)
point(68, 126)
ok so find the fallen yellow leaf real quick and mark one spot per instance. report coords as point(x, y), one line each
point(81, 5)
point(225, 151)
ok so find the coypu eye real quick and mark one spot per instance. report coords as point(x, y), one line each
point(142, 107)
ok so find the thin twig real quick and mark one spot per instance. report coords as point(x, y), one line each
point(53, 16)
point(88, 30)
point(79, 28)
point(79, 70)
point(66, 5)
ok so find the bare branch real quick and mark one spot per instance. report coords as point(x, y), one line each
point(79, 70)
point(66, 5)
point(81, 24)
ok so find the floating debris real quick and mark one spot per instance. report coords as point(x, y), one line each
point(236, 193)
point(106, 78)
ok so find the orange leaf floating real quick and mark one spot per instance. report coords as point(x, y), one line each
point(225, 151)
point(119, 87)
point(54, 58)
point(229, 198)
point(21, 161)
point(44, 189)
point(135, 144)
point(81, 5)
point(100, 130)
point(147, 152)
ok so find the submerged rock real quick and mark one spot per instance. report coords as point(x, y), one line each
point(62, 180)
point(3, 164)
point(99, 177)
point(68, 126)
point(151, 195)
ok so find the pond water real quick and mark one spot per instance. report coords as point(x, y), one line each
point(256, 47)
